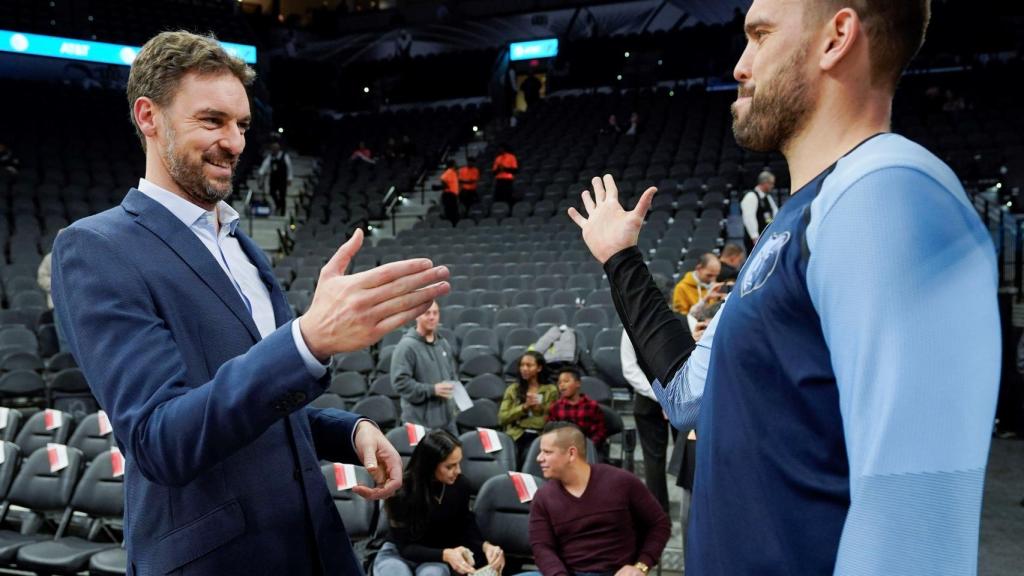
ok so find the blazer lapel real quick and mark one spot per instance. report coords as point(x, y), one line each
point(282, 310)
point(153, 216)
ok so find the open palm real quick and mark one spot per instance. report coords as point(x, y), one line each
point(608, 228)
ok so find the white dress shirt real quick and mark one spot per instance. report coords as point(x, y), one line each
point(225, 249)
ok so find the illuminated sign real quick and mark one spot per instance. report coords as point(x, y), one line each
point(90, 51)
point(534, 49)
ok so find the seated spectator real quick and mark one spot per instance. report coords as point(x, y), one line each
point(431, 529)
point(526, 403)
point(363, 154)
point(591, 519)
point(422, 372)
point(696, 283)
point(8, 161)
point(575, 407)
point(612, 127)
point(731, 261)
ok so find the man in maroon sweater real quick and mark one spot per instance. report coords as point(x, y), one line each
point(592, 519)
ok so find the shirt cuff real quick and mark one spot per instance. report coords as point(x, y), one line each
point(316, 369)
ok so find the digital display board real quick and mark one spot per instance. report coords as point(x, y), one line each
point(90, 50)
point(547, 48)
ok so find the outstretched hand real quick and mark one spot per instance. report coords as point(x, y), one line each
point(608, 228)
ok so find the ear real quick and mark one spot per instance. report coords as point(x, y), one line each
point(145, 113)
point(842, 32)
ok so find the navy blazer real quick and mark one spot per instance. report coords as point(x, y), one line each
point(222, 473)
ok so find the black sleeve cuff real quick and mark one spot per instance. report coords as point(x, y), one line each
point(661, 339)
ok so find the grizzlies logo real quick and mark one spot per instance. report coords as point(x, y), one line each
point(763, 265)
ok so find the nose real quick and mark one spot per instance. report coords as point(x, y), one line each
point(742, 71)
point(233, 141)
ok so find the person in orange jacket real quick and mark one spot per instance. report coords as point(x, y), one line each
point(505, 167)
point(469, 178)
point(450, 193)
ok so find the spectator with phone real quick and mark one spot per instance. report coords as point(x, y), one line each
point(526, 402)
point(422, 371)
point(696, 283)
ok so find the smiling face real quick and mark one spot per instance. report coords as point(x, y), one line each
point(201, 134)
point(775, 96)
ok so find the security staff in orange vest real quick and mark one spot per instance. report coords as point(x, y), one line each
point(469, 177)
point(450, 193)
point(505, 168)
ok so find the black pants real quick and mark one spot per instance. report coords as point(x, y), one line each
point(504, 191)
point(279, 193)
point(652, 428)
point(523, 446)
point(467, 198)
point(450, 204)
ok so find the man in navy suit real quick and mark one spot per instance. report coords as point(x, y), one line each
point(190, 346)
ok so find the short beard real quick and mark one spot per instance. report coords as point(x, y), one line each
point(777, 111)
point(190, 178)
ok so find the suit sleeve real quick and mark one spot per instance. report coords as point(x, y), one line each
point(172, 429)
point(903, 277)
point(334, 434)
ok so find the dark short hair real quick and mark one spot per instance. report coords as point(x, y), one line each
point(896, 29)
point(567, 434)
point(576, 374)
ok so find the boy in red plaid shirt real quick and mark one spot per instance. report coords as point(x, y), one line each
point(574, 406)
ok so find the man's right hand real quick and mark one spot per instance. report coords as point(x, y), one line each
point(444, 389)
point(351, 312)
point(608, 228)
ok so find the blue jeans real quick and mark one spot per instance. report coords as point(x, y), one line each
point(390, 563)
point(573, 574)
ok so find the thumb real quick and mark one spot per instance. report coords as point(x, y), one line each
point(339, 262)
point(370, 458)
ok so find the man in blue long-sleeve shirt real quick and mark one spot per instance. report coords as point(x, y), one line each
point(844, 432)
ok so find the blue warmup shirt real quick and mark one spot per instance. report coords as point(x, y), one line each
point(844, 397)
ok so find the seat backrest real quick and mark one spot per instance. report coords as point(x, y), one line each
point(596, 389)
point(69, 380)
point(380, 409)
point(34, 435)
point(99, 493)
point(479, 466)
point(89, 440)
point(488, 386)
point(399, 438)
point(502, 518)
point(11, 424)
point(348, 384)
point(358, 361)
point(481, 364)
point(21, 361)
point(40, 490)
point(19, 383)
point(355, 511)
point(483, 414)
point(531, 466)
point(12, 459)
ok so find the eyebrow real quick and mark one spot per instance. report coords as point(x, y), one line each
point(221, 114)
point(750, 27)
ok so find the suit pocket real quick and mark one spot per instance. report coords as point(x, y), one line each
point(201, 536)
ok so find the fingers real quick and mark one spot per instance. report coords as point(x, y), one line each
point(577, 217)
point(598, 186)
point(387, 273)
point(611, 190)
point(588, 203)
point(409, 306)
point(339, 262)
point(644, 204)
point(404, 286)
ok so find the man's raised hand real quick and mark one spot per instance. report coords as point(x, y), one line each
point(608, 228)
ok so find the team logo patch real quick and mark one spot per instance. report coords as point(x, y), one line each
point(764, 263)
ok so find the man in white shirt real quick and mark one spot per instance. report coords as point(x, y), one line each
point(758, 208)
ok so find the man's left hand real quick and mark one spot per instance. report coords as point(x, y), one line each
point(380, 459)
point(629, 570)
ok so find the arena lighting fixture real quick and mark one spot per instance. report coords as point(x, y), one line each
point(280, 130)
point(366, 89)
point(627, 54)
point(618, 77)
point(476, 129)
point(547, 48)
point(89, 50)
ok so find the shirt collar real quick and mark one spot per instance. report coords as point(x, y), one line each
point(189, 213)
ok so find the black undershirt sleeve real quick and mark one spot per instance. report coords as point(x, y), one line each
point(662, 341)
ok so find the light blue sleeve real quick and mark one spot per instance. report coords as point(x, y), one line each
point(904, 279)
point(682, 396)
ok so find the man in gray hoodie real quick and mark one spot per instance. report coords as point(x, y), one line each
point(422, 368)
